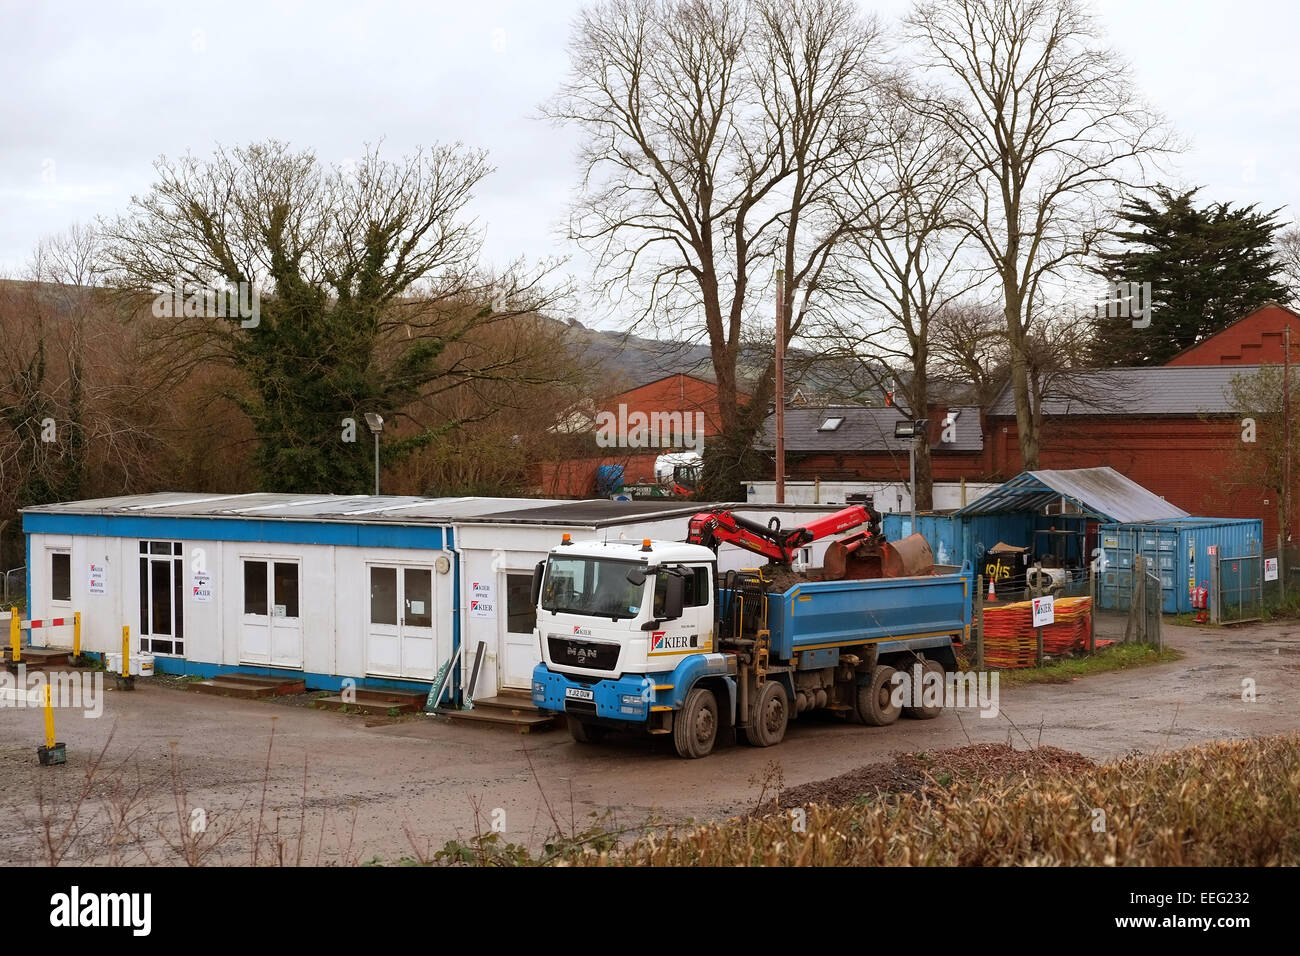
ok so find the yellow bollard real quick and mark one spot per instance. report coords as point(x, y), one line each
point(76, 635)
point(53, 754)
point(15, 636)
point(49, 720)
point(125, 681)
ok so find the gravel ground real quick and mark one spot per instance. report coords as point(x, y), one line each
point(913, 772)
point(349, 789)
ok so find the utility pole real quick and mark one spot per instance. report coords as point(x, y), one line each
point(375, 422)
point(1285, 536)
point(780, 386)
point(911, 462)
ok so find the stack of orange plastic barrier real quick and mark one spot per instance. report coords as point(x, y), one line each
point(1010, 639)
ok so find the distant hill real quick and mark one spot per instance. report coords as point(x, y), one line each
point(628, 361)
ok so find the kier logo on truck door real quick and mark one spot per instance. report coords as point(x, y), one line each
point(661, 642)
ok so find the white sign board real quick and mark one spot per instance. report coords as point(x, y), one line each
point(1044, 611)
point(201, 587)
point(1270, 569)
point(482, 599)
point(98, 578)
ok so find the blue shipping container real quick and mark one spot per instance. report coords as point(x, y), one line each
point(1178, 549)
point(957, 540)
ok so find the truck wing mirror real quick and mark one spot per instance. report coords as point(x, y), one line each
point(636, 576)
point(674, 593)
point(538, 571)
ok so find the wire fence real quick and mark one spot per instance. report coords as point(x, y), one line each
point(1240, 579)
point(1281, 573)
point(14, 586)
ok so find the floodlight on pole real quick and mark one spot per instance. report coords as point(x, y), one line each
point(912, 430)
point(375, 422)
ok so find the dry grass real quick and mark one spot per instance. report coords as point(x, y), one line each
point(1230, 803)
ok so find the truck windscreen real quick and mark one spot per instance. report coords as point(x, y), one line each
point(595, 586)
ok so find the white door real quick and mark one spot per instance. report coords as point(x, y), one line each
point(271, 627)
point(518, 618)
point(693, 631)
point(399, 630)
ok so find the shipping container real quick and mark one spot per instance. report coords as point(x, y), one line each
point(1177, 549)
point(957, 539)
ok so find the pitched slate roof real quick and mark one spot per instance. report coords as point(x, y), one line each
point(1158, 390)
point(863, 429)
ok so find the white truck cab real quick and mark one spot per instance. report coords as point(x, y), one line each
point(606, 609)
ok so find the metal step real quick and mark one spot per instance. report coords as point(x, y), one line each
point(248, 686)
point(40, 656)
point(371, 701)
point(488, 712)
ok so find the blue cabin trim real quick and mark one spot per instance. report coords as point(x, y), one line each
point(275, 530)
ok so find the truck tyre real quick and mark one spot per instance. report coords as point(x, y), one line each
point(876, 707)
point(770, 718)
point(927, 712)
point(584, 733)
point(695, 726)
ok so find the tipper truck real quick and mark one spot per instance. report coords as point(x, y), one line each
point(645, 636)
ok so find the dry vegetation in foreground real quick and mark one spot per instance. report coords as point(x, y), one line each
point(1227, 803)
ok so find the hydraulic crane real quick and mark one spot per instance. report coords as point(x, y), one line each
point(778, 545)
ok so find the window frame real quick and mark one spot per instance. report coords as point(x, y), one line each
point(56, 553)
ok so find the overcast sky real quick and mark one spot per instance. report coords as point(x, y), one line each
point(92, 92)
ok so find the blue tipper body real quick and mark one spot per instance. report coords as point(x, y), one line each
point(925, 611)
point(808, 624)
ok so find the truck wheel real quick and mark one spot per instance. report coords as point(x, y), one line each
point(771, 716)
point(876, 706)
point(584, 733)
point(695, 726)
point(927, 712)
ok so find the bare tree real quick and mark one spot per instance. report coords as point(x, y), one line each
point(713, 135)
point(66, 423)
point(968, 343)
point(901, 268)
point(1053, 130)
point(1288, 256)
point(1260, 459)
point(371, 295)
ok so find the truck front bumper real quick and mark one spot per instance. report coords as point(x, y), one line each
point(629, 697)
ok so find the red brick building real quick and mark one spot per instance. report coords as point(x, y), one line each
point(1253, 340)
point(679, 412)
point(1171, 429)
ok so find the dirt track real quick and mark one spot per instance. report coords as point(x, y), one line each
point(425, 775)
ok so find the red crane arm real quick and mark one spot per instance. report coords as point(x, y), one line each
point(711, 528)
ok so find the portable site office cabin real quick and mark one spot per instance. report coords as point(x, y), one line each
point(382, 590)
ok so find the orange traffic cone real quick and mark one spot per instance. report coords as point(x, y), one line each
point(992, 595)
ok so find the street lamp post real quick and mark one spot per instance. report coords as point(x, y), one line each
point(912, 431)
point(375, 423)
